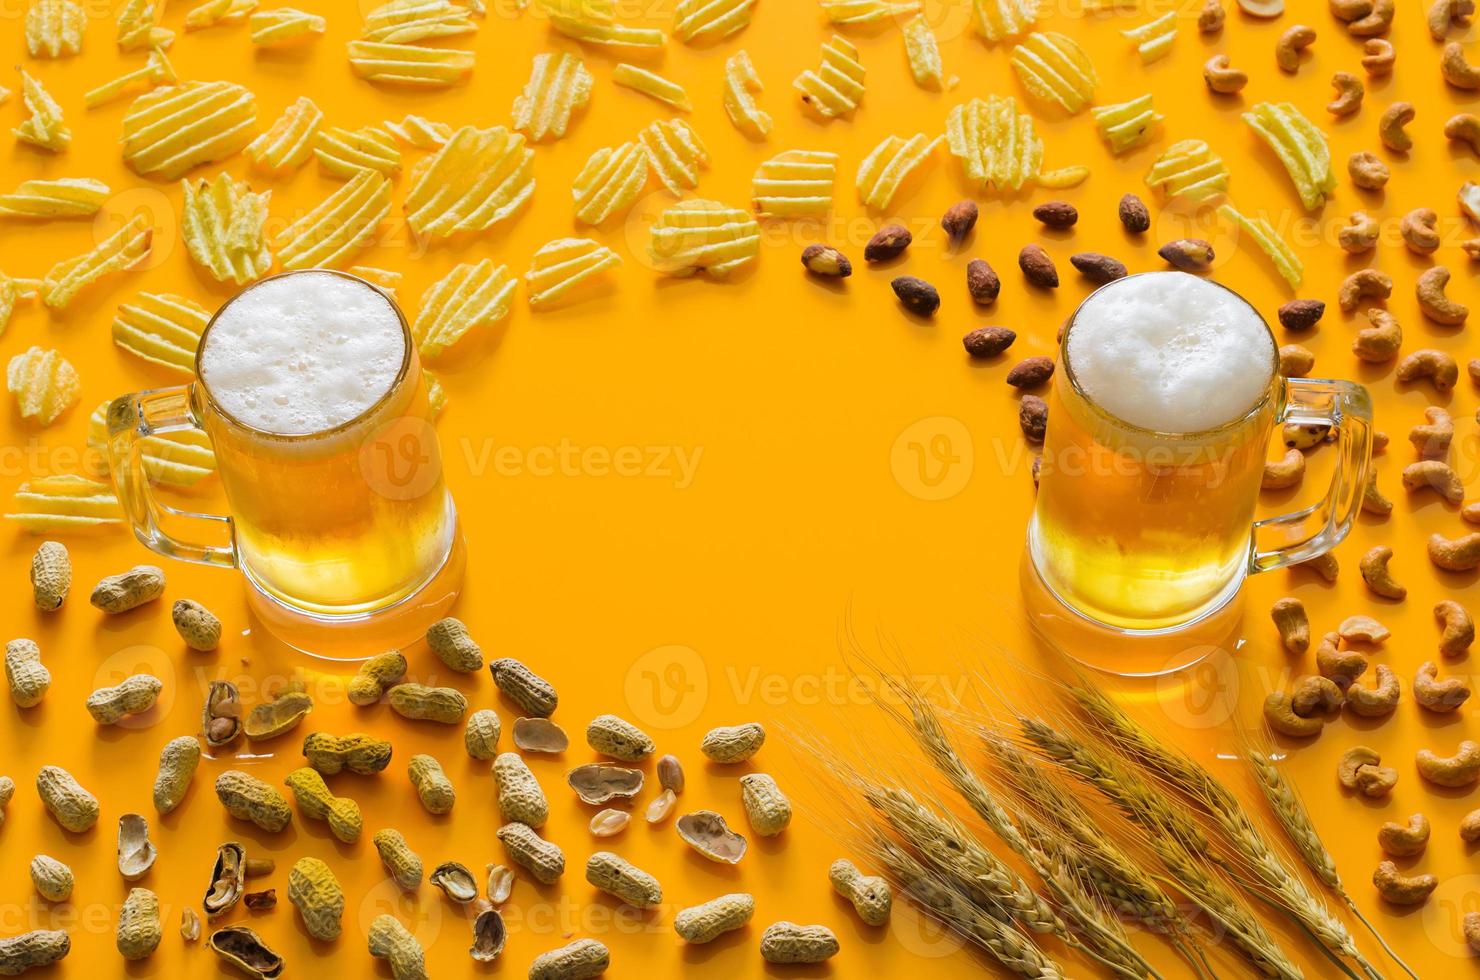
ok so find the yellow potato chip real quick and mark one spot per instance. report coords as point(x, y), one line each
point(221, 222)
point(158, 71)
point(924, 54)
point(710, 20)
point(411, 21)
point(699, 235)
point(481, 177)
point(44, 384)
point(741, 82)
point(385, 280)
point(215, 12)
point(998, 147)
point(675, 153)
point(287, 145)
point(560, 266)
point(1063, 177)
point(171, 130)
point(138, 27)
point(44, 126)
point(65, 197)
point(4, 94)
point(409, 64)
point(795, 184)
point(865, 11)
point(558, 86)
point(12, 291)
point(891, 162)
point(422, 134)
point(436, 394)
point(1285, 260)
point(338, 226)
point(54, 28)
point(65, 503)
point(1055, 69)
point(652, 85)
point(610, 182)
point(161, 328)
point(343, 153)
point(594, 22)
point(998, 19)
point(1126, 124)
point(469, 296)
point(1189, 169)
point(172, 459)
point(123, 249)
point(837, 87)
point(1154, 38)
point(1300, 146)
point(284, 25)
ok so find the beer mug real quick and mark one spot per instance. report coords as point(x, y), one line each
point(1158, 430)
point(310, 390)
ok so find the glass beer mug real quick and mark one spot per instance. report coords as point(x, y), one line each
point(310, 390)
point(1158, 432)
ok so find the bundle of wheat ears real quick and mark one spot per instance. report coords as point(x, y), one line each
point(1172, 852)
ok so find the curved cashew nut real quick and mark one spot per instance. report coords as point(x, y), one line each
point(1353, 759)
point(1456, 70)
point(1221, 77)
point(1378, 576)
point(1436, 475)
point(1460, 769)
point(1376, 22)
point(1363, 284)
point(1342, 666)
point(1210, 18)
point(1401, 889)
point(1431, 299)
point(1404, 840)
point(1367, 171)
point(1362, 629)
point(1380, 342)
point(1293, 624)
point(1281, 716)
point(1284, 473)
point(1471, 512)
point(1432, 438)
point(1390, 126)
point(1326, 566)
point(1376, 781)
point(1375, 702)
point(1347, 11)
point(1378, 57)
point(1296, 361)
point(1443, 14)
point(1435, 365)
point(1315, 695)
point(1420, 231)
point(1436, 695)
point(1459, 628)
point(1469, 829)
point(1287, 49)
point(1359, 234)
point(1349, 92)
point(1464, 128)
point(1379, 441)
point(1373, 501)
point(1458, 555)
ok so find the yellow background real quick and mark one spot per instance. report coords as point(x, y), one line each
point(683, 606)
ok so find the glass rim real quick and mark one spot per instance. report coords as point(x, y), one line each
point(1254, 410)
point(340, 428)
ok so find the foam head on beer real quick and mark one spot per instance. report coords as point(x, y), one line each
point(303, 353)
point(1170, 352)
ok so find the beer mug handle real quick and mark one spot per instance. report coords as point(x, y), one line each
point(131, 420)
point(1305, 534)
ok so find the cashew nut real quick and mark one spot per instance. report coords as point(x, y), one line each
point(1263, 9)
point(1296, 361)
point(1378, 57)
point(1379, 441)
point(1294, 626)
point(1347, 11)
point(1376, 781)
point(1359, 234)
point(1325, 566)
point(1437, 366)
point(1420, 231)
point(1445, 13)
point(1471, 512)
point(1373, 502)
point(1364, 283)
point(1436, 695)
point(1376, 22)
point(1404, 840)
point(1378, 576)
point(1287, 49)
point(1436, 475)
point(1459, 555)
point(1431, 299)
point(1432, 438)
point(1352, 760)
point(1400, 889)
point(1471, 248)
point(1342, 666)
point(1349, 92)
point(1380, 342)
point(1210, 18)
point(1362, 629)
point(1284, 473)
point(1367, 171)
point(1375, 702)
point(1460, 769)
point(1459, 628)
point(1464, 128)
point(1456, 70)
point(1390, 126)
point(1469, 828)
point(1222, 78)
point(1315, 695)
point(1281, 716)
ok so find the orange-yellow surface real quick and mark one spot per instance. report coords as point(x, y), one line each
point(805, 449)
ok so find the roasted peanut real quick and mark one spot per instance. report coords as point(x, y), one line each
point(455, 881)
point(1359, 235)
point(670, 773)
point(1404, 840)
point(221, 715)
point(500, 883)
point(129, 590)
point(331, 754)
point(703, 923)
point(766, 807)
point(1431, 298)
point(139, 929)
point(520, 798)
point(248, 798)
point(1283, 473)
point(733, 743)
point(1433, 437)
point(51, 575)
point(1460, 769)
point(1367, 171)
point(316, 894)
point(1400, 889)
point(401, 862)
point(609, 822)
point(524, 687)
point(197, 625)
point(871, 896)
point(1390, 126)
point(1314, 695)
point(1435, 475)
point(51, 878)
point(1287, 49)
point(1458, 555)
point(313, 797)
point(580, 960)
point(1353, 759)
point(28, 678)
point(787, 942)
point(37, 949)
point(1436, 695)
point(620, 878)
point(1221, 77)
point(376, 675)
point(481, 735)
point(177, 763)
point(1341, 666)
point(1293, 624)
point(661, 806)
point(1458, 627)
point(454, 646)
point(1464, 128)
point(1457, 70)
point(7, 792)
point(433, 787)
point(390, 941)
point(1349, 92)
point(418, 702)
point(530, 851)
point(136, 852)
point(1378, 57)
point(618, 738)
point(1280, 716)
point(1363, 284)
point(134, 695)
point(69, 804)
point(1376, 574)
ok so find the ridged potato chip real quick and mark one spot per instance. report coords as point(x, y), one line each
point(710, 20)
point(1154, 38)
point(703, 236)
point(1300, 146)
point(161, 328)
point(891, 162)
point(422, 134)
point(1286, 262)
point(54, 28)
point(138, 27)
point(12, 291)
point(65, 503)
point(1127, 124)
point(653, 85)
point(998, 147)
point(481, 177)
point(469, 296)
point(741, 84)
point(157, 71)
point(222, 222)
point(610, 182)
point(1055, 69)
point(213, 13)
point(924, 54)
point(560, 266)
point(284, 25)
point(594, 22)
point(410, 21)
point(795, 184)
point(44, 383)
point(44, 126)
point(64, 197)
point(385, 280)
point(1189, 169)
point(409, 64)
point(338, 226)
point(558, 86)
point(436, 394)
point(289, 142)
point(1063, 177)
point(998, 19)
point(837, 87)
point(675, 153)
point(865, 11)
point(171, 130)
point(343, 153)
point(123, 249)
point(172, 459)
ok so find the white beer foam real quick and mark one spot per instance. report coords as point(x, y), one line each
point(1171, 352)
point(303, 353)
